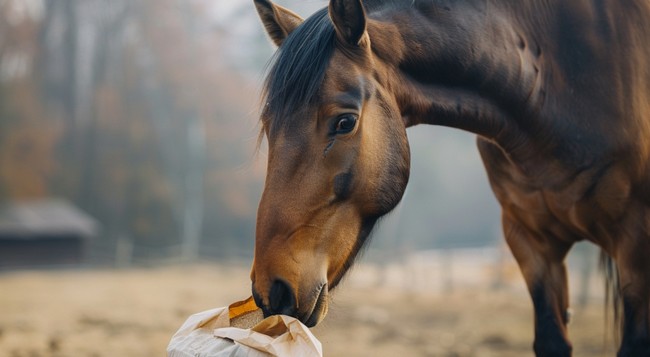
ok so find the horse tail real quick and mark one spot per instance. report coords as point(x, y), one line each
point(613, 301)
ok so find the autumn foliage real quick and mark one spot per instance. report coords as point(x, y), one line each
point(127, 109)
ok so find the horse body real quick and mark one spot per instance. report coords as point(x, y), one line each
point(585, 174)
point(563, 119)
point(557, 92)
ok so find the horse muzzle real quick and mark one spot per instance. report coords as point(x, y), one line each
point(309, 308)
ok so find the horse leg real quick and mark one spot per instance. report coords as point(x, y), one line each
point(634, 272)
point(541, 261)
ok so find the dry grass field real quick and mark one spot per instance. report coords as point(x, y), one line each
point(134, 312)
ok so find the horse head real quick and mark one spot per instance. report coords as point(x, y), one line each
point(338, 156)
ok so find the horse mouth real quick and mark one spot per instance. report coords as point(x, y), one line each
point(319, 310)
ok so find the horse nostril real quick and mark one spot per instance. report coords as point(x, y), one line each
point(281, 298)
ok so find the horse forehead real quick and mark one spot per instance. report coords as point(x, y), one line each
point(346, 88)
point(343, 74)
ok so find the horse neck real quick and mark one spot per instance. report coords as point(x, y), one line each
point(502, 69)
point(462, 65)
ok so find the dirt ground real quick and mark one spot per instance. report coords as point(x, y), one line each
point(134, 313)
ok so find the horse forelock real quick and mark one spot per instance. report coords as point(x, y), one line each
point(297, 70)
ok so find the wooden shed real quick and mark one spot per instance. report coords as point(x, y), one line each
point(43, 233)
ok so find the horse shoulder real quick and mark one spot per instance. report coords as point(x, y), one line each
point(570, 204)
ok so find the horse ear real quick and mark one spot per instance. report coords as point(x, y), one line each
point(278, 21)
point(349, 18)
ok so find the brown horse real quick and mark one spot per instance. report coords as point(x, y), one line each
point(558, 93)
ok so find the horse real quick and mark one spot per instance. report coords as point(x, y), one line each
point(556, 92)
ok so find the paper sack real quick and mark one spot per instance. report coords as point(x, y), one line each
point(212, 333)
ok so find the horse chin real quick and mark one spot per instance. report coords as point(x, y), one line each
point(319, 309)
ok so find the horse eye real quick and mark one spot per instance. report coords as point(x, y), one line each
point(345, 123)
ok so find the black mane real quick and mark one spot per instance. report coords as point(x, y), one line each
point(297, 69)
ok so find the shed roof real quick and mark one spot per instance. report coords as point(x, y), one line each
point(45, 218)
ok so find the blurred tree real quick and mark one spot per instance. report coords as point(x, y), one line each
point(125, 108)
point(26, 135)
